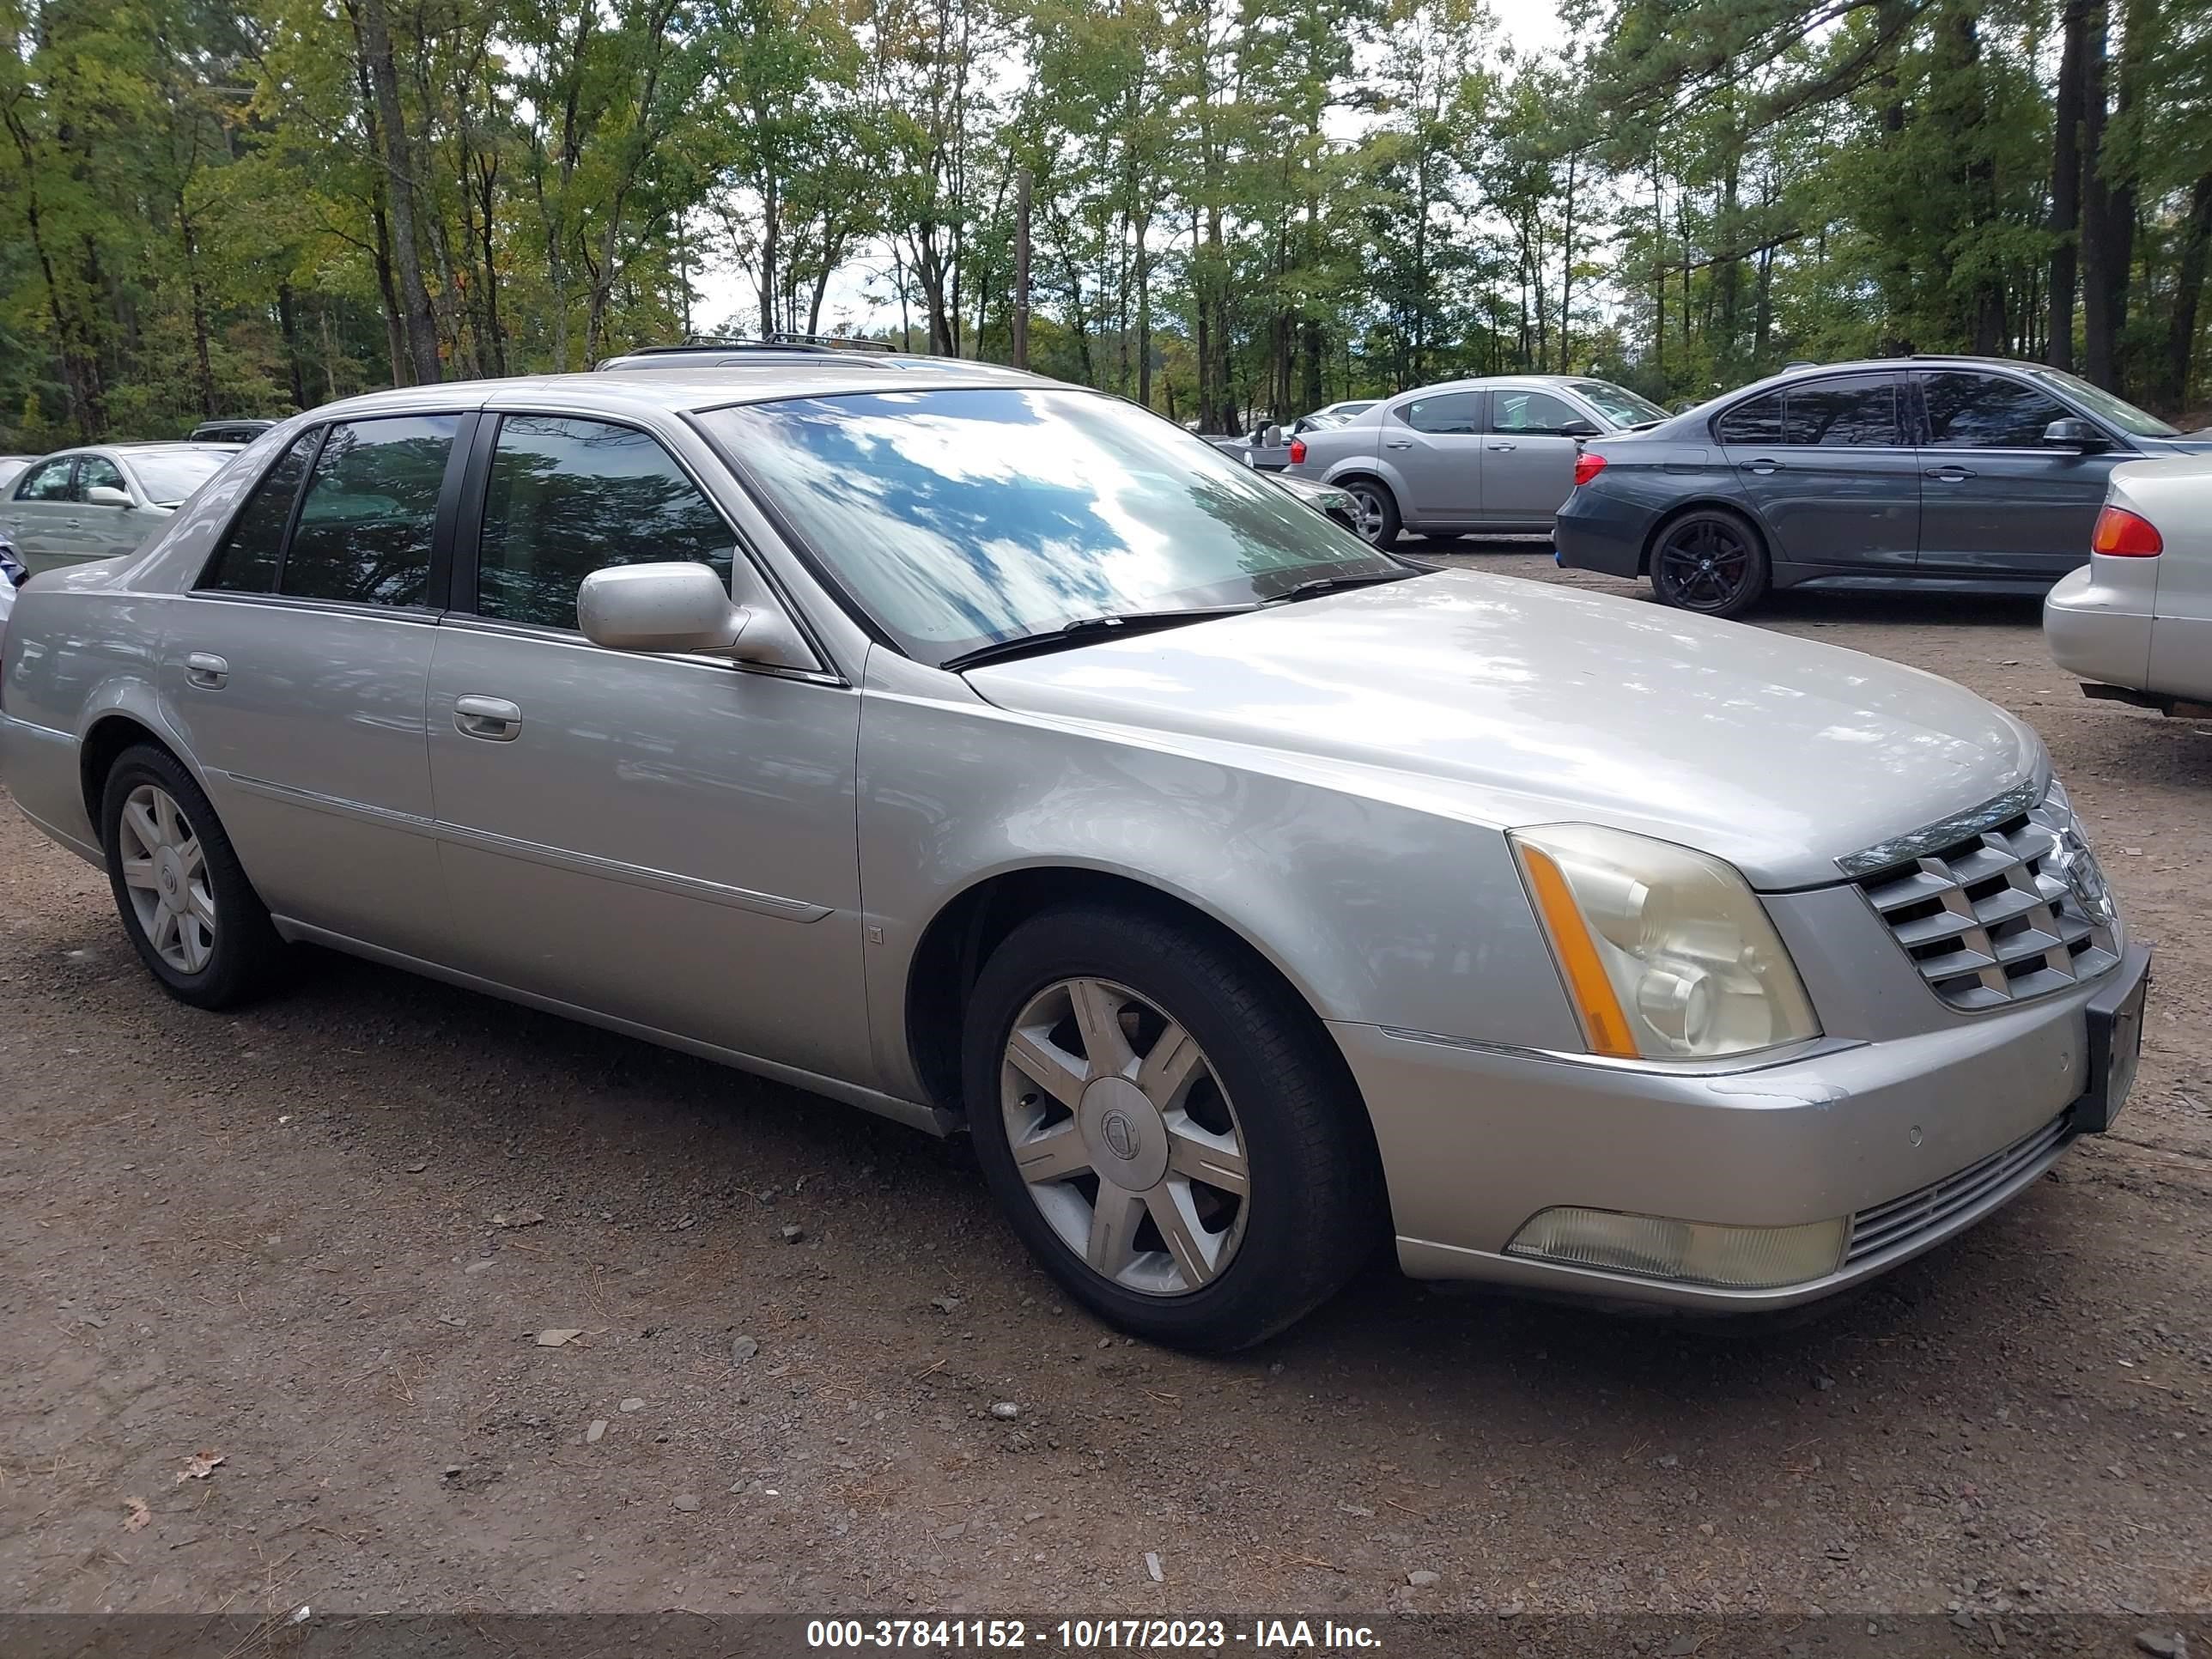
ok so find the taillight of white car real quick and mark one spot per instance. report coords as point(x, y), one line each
point(2124, 535)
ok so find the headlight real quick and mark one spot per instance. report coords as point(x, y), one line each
point(1666, 953)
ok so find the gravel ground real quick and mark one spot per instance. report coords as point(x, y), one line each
point(314, 1244)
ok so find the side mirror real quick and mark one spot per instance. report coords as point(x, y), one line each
point(2075, 435)
point(1581, 429)
point(106, 496)
point(682, 606)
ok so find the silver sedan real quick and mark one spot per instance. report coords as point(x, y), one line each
point(1493, 456)
point(101, 502)
point(992, 755)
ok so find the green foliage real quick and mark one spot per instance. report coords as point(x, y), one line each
point(1241, 207)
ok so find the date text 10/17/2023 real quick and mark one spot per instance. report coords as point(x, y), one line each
point(1292, 1635)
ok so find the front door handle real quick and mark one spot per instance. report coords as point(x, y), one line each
point(1950, 474)
point(492, 718)
point(1399, 443)
point(73, 524)
point(1762, 466)
point(1505, 446)
point(206, 671)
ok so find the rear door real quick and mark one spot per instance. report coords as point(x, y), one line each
point(1528, 462)
point(1996, 501)
point(1828, 465)
point(296, 672)
point(1433, 443)
point(40, 512)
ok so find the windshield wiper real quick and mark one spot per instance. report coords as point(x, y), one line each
point(1085, 630)
point(1320, 585)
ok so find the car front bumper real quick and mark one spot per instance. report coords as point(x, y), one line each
point(1476, 1140)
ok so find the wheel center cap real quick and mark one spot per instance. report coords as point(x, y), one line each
point(169, 876)
point(1125, 1135)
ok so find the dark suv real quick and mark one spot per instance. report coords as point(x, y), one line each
point(1962, 474)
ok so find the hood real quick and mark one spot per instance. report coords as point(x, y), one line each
point(1513, 702)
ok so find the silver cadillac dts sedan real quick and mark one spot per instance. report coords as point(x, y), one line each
point(992, 755)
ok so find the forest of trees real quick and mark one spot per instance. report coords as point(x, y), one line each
point(1239, 205)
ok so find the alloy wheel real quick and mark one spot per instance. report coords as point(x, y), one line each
point(1125, 1137)
point(1705, 565)
point(1367, 513)
point(164, 872)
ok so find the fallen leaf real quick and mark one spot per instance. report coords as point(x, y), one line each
point(520, 1219)
point(199, 1465)
point(556, 1339)
point(138, 1515)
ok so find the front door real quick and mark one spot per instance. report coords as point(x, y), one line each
point(40, 513)
point(1528, 461)
point(670, 841)
point(1433, 445)
point(296, 672)
point(1829, 467)
point(1995, 499)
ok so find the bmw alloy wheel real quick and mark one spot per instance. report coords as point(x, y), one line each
point(1125, 1137)
point(1704, 564)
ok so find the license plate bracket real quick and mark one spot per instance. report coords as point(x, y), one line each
point(2116, 1015)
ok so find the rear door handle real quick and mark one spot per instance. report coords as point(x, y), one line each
point(1762, 466)
point(1950, 474)
point(1505, 446)
point(206, 670)
point(73, 524)
point(1399, 443)
point(491, 718)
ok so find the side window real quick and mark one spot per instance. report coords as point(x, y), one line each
point(567, 497)
point(1513, 410)
point(93, 473)
point(50, 483)
point(1447, 412)
point(1759, 422)
point(1853, 411)
point(370, 513)
point(1967, 411)
point(247, 561)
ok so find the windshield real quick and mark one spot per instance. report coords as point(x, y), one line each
point(2117, 411)
point(961, 518)
point(168, 476)
point(1617, 404)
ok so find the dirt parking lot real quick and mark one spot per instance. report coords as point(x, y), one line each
point(313, 1245)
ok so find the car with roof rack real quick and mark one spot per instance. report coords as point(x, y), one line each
point(989, 754)
point(1949, 474)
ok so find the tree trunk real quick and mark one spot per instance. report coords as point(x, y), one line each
point(2101, 283)
point(419, 322)
point(287, 321)
point(770, 214)
point(2171, 393)
point(395, 332)
point(1144, 313)
point(2066, 182)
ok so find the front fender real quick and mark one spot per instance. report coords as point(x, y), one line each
point(1375, 911)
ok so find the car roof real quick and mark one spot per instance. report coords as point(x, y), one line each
point(681, 388)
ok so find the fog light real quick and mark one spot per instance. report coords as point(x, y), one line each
point(1691, 1252)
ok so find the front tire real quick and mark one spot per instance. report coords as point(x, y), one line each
point(1710, 562)
point(1169, 1132)
point(186, 903)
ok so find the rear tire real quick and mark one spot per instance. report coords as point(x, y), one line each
point(1169, 1132)
point(191, 914)
point(1710, 562)
point(1379, 521)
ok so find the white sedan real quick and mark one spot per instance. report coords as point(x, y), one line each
point(2135, 622)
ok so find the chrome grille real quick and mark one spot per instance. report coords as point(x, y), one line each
point(1999, 906)
point(1901, 1219)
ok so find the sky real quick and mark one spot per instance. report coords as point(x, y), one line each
point(729, 304)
